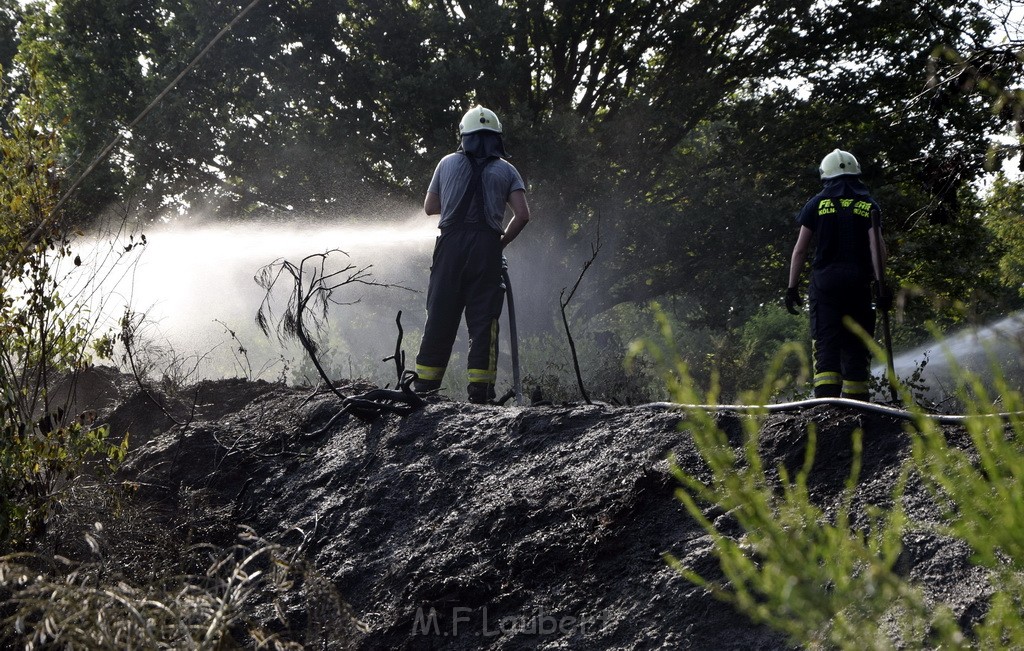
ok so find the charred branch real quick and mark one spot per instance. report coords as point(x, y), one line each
point(563, 301)
point(310, 296)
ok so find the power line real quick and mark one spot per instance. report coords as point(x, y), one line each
point(118, 137)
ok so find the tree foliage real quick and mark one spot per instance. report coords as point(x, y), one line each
point(693, 129)
point(1004, 217)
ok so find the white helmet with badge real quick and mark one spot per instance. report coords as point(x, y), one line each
point(838, 163)
point(479, 118)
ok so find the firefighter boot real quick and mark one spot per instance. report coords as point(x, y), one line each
point(481, 393)
point(425, 386)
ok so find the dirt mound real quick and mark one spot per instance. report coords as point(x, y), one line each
point(466, 527)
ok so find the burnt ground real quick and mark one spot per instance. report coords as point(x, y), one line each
point(469, 527)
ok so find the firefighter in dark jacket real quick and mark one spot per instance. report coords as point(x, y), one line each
point(849, 253)
point(470, 190)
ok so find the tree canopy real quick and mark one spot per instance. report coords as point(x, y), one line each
point(691, 130)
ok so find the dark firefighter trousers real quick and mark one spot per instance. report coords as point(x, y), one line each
point(842, 362)
point(465, 276)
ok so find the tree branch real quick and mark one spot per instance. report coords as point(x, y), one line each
point(563, 300)
point(312, 288)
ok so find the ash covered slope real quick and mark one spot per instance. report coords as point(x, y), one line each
point(465, 527)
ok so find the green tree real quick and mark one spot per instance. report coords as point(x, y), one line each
point(692, 130)
point(714, 221)
point(1004, 217)
point(10, 16)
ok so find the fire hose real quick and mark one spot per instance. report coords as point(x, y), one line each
point(860, 405)
point(517, 385)
point(403, 401)
point(876, 229)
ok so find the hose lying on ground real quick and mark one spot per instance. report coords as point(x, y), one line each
point(800, 405)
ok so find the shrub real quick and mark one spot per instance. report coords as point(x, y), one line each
point(42, 338)
point(826, 574)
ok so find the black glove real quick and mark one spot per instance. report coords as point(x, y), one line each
point(793, 300)
point(884, 298)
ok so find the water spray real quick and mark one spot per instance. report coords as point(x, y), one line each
point(194, 280)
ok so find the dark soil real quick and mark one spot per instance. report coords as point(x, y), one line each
point(469, 527)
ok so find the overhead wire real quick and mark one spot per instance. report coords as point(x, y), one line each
point(48, 219)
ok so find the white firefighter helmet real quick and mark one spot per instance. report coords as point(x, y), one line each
point(838, 163)
point(479, 118)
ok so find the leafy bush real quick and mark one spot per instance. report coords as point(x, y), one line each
point(981, 492)
point(42, 337)
point(760, 337)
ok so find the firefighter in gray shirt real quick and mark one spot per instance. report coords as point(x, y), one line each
point(469, 190)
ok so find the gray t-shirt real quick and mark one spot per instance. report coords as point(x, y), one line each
point(451, 176)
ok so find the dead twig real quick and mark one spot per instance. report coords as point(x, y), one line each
point(129, 332)
point(399, 355)
point(563, 300)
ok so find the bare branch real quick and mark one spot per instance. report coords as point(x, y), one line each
point(311, 294)
point(563, 300)
point(399, 355)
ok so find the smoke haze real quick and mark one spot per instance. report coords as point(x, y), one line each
point(193, 279)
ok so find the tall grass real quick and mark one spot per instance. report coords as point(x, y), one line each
point(86, 606)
